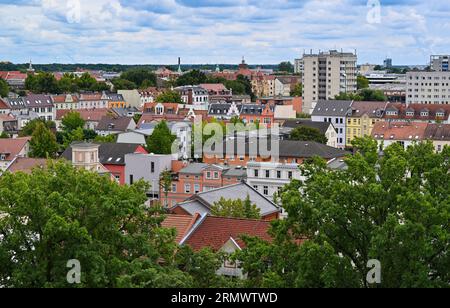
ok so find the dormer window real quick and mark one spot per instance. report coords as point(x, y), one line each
point(410, 113)
point(424, 114)
point(440, 114)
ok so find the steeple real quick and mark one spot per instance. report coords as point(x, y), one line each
point(217, 68)
point(179, 65)
point(30, 69)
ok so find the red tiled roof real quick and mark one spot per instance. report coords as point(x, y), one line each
point(214, 232)
point(12, 147)
point(399, 131)
point(62, 98)
point(3, 105)
point(93, 115)
point(438, 132)
point(182, 223)
point(402, 109)
point(215, 87)
point(26, 165)
point(148, 118)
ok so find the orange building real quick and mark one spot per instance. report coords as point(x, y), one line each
point(116, 101)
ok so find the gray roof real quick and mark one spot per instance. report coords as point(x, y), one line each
point(321, 126)
point(30, 101)
point(338, 164)
point(308, 149)
point(195, 168)
point(236, 172)
point(332, 108)
point(201, 203)
point(119, 124)
point(109, 153)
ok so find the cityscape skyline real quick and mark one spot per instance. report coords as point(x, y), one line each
point(266, 32)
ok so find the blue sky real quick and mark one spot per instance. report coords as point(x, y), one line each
point(220, 31)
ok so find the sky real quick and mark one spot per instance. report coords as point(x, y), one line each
point(220, 31)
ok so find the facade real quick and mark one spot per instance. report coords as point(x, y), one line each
point(194, 96)
point(254, 113)
point(395, 93)
point(85, 155)
point(439, 134)
point(196, 177)
point(65, 101)
point(268, 178)
point(296, 102)
point(116, 101)
point(428, 88)
point(41, 105)
point(91, 117)
point(93, 101)
point(217, 92)
point(131, 97)
point(439, 63)
point(326, 75)
point(8, 125)
point(147, 167)
point(335, 112)
point(362, 118)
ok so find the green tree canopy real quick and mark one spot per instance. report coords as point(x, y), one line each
point(304, 133)
point(161, 140)
point(30, 127)
point(191, 78)
point(363, 82)
point(286, 67)
point(139, 77)
point(71, 121)
point(298, 90)
point(169, 97)
point(123, 84)
point(43, 142)
point(392, 208)
point(236, 208)
point(4, 88)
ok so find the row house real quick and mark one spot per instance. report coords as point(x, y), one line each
point(41, 105)
point(254, 113)
point(403, 133)
point(93, 101)
point(194, 96)
point(287, 151)
point(198, 177)
point(296, 102)
point(217, 92)
point(335, 112)
point(65, 101)
point(362, 116)
point(396, 112)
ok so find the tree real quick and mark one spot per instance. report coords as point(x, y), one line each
point(191, 78)
point(363, 82)
point(43, 143)
point(165, 183)
point(298, 90)
point(169, 97)
point(72, 136)
point(304, 133)
point(42, 83)
point(71, 121)
point(139, 77)
point(236, 208)
point(68, 83)
point(161, 140)
point(392, 208)
point(106, 139)
point(123, 84)
point(71, 214)
point(4, 135)
point(348, 97)
point(286, 67)
point(30, 127)
point(373, 95)
point(4, 88)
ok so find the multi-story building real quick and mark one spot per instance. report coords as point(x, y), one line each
point(325, 128)
point(93, 101)
point(41, 105)
point(362, 118)
point(395, 93)
point(116, 101)
point(439, 134)
point(428, 88)
point(65, 101)
point(403, 133)
point(439, 63)
point(217, 92)
point(326, 75)
point(197, 177)
point(268, 177)
point(396, 112)
point(298, 66)
point(335, 112)
point(194, 96)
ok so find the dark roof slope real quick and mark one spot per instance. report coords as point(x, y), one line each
point(321, 126)
point(109, 153)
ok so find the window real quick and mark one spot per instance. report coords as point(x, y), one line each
point(196, 188)
point(152, 167)
point(290, 175)
point(174, 188)
point(216, 175)
point(208, 175)
point(278, 174)
point(131, 179)
point(256, 173)
point(117, 177)
point(255, 187)
point(187, 188)
point(266, 190)
point(267, 173)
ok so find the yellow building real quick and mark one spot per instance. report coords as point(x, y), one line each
point(362, 119)
point(116, 101)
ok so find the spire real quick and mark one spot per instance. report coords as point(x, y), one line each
point(179, 65)
point(30, 67)
point(217, 68)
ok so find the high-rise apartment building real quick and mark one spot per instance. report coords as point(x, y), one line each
point(439, 63)
point(428, 88)
point(327, 74)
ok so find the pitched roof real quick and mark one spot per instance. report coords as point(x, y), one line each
point(26, 165)
point(108, 123)
point(438, 132)
point(182, 223)
point(213, 87)
point(332, 108)
point(399, 131)
point(12, 147)
point(89, 115)
point(215, 232)
point(3, 104)
point(309, 149)
point(30, 101)
point(202, 202)
point(372, 109)
point(109, 153)
point(321, 126)
point(403, 111)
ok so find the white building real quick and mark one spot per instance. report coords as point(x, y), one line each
point(41, 105)
point(428, 88)
point(326, 75)
point(268, 178)
point(439, 63)
point(194, 96)
point(334, 112)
